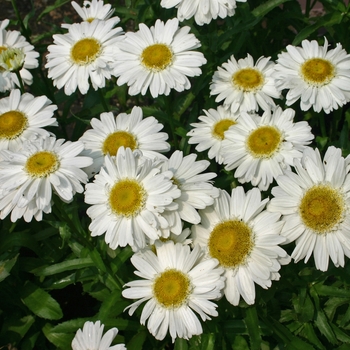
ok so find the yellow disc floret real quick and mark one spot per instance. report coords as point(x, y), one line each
point(230, 242)
point(127, 198)
point(317, 71)
point(12, 124)
point(85, 51)
point(42, 164)
point(322, 208)
point(172, 288)
point(156, 57)
point(248, 79)
point(117, 139)
point(264, 141)
point(220, 127)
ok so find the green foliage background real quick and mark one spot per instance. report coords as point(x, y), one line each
point(54, 276)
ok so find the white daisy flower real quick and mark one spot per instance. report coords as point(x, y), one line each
point(202, 11)
point(22, 117)
point(128, 198)
point(12, 39)
point(159, 58)
point(319, 78)
point(261, 148)
point(210, 132)
point(90, 338)
point(95, 9)
point(244, 238)
point(127, 130)
point(176, 282)
point(244, 86)
point(42, 165)
point(197, 192)
point(315, 206)
point(83, 55)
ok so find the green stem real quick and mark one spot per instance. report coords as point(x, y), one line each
point(103, 101)
point(322, 124)
point(24, 29)
point(20, 81)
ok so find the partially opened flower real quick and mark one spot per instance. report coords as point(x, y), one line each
point(175, 283)
point(245, 239)
point(94, 9)
point(318, 77)
point(127, 130)
point(17, 53)
point(128, 198)
point(210, 132)
point(245, 86)
point(91, 338)
point(202, 11)
point(41, 166)
point(261, 148)
point(315, 207)
point(83, 56)
point(159, 58)
point(23, 117)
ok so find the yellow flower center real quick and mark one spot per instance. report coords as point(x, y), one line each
point(264, 141)
point(220, 127)
point(85, 51)
point(248, 79)
point(171, 288)
point(2, 49)
point(230, 242)
point(317, 71)
point(322, 208)
point(157, 57)
point(12, 124)
point(117, 139)
point(42, 164)
point(127, 198)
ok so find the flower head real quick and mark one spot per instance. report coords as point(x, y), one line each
point(128, 130)
point(318, 77)
point(15, 54)
point(244, 86)
point(202, 11)
point(245, 239)
point(29, 175)
point(83, 54)
point(176, 282)
point(128, 198)
point(90, 338)
point(159, 58)
point(261, 148)
point(314, 204)
point(210, 132)
point(23, 117)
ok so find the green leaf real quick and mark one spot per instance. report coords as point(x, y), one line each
point(331, 291)
point(112, 306)
point(60, 340)
point(40, 302)
point(328, 20)
point(265, 8)
point(324, 327)
point(208, 341)
point(22, 326)
point(252, 322)
point(67, 265)
point(57, 4)
point(309, 333)
point(6, 266)
point(137, 341)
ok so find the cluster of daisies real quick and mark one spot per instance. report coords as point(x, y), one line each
point(193, 243)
